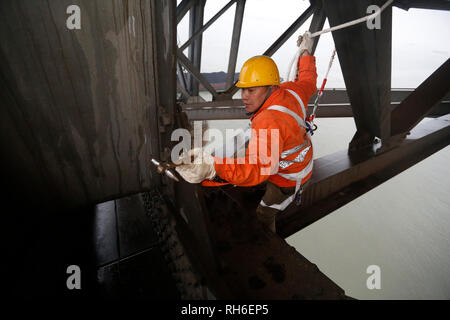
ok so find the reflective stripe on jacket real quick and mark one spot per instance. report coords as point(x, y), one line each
point(285, 111)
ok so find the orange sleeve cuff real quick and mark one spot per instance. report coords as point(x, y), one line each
point(307, 63)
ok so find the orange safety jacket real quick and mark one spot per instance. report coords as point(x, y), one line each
point(285, 110)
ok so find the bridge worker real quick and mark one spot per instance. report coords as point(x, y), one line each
point(278, 113)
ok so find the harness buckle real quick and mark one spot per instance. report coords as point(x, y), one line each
point(310, 129)
point(298, 196)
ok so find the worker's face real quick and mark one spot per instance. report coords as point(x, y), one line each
point(253, 97)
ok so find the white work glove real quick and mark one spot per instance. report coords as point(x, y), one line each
point(198, 170)
point(305, 43)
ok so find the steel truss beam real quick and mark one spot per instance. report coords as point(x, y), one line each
point(334, 103)
point(340, 178)
point(289, 31)
point(195, 72)
point(416, 106)
point(235, 42)
point(195, 49)
point(183, 8)
point(207, 25)
point(196, 36)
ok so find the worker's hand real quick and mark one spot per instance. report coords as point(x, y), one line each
point(305, 43)
point(201, 168)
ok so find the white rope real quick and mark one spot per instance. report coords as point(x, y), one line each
point(351, 23)
point(292, 71)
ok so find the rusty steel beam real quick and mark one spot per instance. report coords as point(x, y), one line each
point(419, 103)
point(339, 178)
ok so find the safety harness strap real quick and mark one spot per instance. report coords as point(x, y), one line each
point(290, 112)
point(280, 206)
point(300, 102)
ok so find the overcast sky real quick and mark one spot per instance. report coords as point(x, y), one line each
point(420, 40)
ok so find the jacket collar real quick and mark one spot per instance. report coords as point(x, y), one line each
point(267, 103)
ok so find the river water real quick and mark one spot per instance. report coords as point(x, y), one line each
point(402, 226)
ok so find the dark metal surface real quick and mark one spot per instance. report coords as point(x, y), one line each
point(78, 108)
point(419, 103)
point(365, 59)
point(195, 48)
point(339, 178)
point(164, 46)
point(254, 262)
point(194, 71)
point(129, 262)
point(236, 36)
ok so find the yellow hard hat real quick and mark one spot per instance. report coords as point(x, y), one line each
point(258, 71)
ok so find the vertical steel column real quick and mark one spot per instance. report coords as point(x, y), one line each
point(240, 6)
point(164, 45)
point(365, 58)
point(195, 49)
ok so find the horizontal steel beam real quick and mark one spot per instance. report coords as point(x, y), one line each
point(324, 111)
point(334, 104)
point(339, 178)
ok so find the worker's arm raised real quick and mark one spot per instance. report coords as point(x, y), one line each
point(307, 75)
